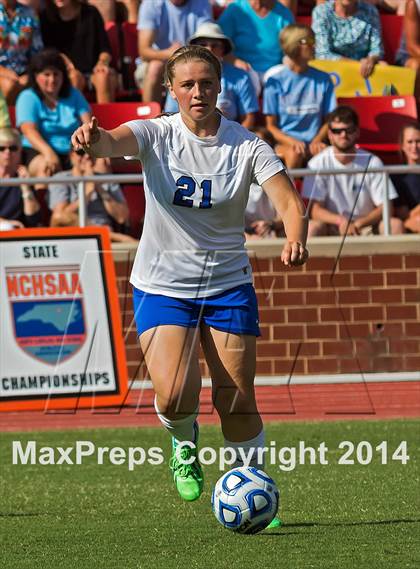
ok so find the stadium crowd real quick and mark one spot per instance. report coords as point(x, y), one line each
point(59, 56)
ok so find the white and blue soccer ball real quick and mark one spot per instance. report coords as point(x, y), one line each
point(245, 500)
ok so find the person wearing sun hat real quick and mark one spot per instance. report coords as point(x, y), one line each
point(237, 99)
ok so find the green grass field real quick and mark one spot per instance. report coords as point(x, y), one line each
point(99, 517)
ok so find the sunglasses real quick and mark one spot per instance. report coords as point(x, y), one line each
point(12, 148)
point(347, 130)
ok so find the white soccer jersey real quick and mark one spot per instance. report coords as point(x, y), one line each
point(196, 192)
point(337, 192)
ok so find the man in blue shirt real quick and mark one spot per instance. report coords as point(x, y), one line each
point(163, 27)
point(237, 99)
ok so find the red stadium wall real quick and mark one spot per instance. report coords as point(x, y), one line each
point(366, 314)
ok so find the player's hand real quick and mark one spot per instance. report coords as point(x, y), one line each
point(294, 254)
point(86, 135)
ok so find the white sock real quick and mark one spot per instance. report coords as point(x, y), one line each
point(249, 453)
point(180, 429)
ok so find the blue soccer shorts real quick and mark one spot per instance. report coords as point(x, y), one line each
point(234, 311)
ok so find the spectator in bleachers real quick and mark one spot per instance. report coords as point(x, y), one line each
point(389, 6)
point(130, 9)
point(386, 6)
point(117, 11)
point(408, 185)
point(254, 27)
point(77, 30)
point(408, 54)
point(349, 204)
point(348, 30)
point(105, 202)
point(47, 113)
point(18, 205)
point(291, 4)
point(297, 99)
point(4, 112)
point(237, 99)
point(163, 27)
point(106, 8)
point(20, 39)
point(261, 219)
point(36, 5)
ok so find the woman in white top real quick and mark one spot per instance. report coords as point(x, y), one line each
point(192, 278)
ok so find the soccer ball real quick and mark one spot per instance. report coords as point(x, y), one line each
point(245, 500)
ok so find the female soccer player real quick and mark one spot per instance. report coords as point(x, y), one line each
point(191, 276)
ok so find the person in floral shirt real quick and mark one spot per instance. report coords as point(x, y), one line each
point(348, 29)
point(20, 38)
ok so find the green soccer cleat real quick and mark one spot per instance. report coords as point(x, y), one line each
point(274, 524)
point(188, 478)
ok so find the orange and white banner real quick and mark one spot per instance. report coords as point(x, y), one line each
point(61, 341)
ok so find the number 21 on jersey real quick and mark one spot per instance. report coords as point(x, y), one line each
point(186, 188)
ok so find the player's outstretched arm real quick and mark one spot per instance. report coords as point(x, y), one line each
point(291, 209)
point(102, 143)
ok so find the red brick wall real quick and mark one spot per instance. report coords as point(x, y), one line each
point(365, 317)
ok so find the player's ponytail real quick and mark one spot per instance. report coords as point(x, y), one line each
point(190, 53)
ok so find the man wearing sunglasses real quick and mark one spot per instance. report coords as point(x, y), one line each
point(19, 207)
point(347, 204)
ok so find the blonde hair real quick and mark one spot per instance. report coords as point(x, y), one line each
point(190, 53)
point(291, 35)
point(10, 135)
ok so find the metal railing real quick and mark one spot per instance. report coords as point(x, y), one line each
point(138, 178)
